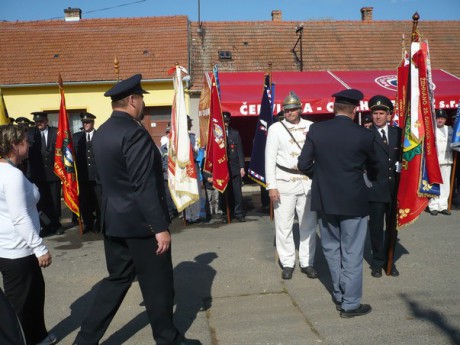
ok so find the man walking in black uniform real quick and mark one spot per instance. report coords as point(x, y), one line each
point(382, 194)
point(235, 158)
point(41, 162)
point(134, 220)
point(90, 195)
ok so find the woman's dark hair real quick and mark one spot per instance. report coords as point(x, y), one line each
point(10, 135)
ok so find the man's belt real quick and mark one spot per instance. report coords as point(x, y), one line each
point(291, 171)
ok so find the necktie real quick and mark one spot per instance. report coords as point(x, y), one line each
point(43, 143)
point(384, 137)
point(88, 138)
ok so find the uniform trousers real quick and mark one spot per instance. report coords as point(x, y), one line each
point(235, 197)
point(441, 202)
point(293, 199)
point(380, 215)
point(342, 239)
point(50, 200)
point(90, 201)
point(127, 258)
point(25, 289)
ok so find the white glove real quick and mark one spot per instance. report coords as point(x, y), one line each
point(398, 167)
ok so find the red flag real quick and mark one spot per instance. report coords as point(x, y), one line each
point(216, 162)
point(420, 172)
point(64, 160)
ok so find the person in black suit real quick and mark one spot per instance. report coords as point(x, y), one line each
point(135, 220)
point(334, 155)
point(382, 194)
point(41, 164)
point(90, 195)
point(235, 158)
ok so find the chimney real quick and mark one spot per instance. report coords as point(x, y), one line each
point(366, 14)
point(72, 14)
point(277, 15)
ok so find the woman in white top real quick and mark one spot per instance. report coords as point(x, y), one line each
point(22, 252)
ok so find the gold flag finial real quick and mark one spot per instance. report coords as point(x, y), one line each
point(60, 82)
point(116, 65)
point(415, 33)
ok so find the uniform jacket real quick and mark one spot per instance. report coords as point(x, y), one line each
point(129, 170)
point(282, 150)
point(443, 140)
point(334, 155)
point(234, 152)
point(384, 187)
point(41, 159)
point(86, 164)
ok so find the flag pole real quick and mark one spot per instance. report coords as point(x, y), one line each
point(271, 209)
point(452, 180)
point(393, 216)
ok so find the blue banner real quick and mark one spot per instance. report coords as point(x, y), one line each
point(256, 170)
point(455, 144)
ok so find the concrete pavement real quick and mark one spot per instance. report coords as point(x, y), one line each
point(229, 288)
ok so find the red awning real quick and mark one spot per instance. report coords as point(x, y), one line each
point(241, 92)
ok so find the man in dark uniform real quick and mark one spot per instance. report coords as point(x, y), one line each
point(382, 194)
point(134, 220)
point(90, 195)
point(41, 162)
point(337, 151)
point(235, 158)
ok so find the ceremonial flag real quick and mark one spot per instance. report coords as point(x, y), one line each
point(420, 175)
point(455, 144)
point(256, 169)
point(4, 118)
point(64, 159)
point(216, 161)
point(182, 174)
point(203, 110)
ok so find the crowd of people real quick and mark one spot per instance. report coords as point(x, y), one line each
point(334, 175)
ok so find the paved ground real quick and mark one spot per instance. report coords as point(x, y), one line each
point(229, 289)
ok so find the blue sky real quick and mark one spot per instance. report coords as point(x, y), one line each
point(233, 10)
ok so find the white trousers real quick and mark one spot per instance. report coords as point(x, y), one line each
point(442, 202)
point(294, 199)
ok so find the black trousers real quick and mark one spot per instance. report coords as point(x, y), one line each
point(10, 329)
point(380, 214)
point(50, 200)
point(25, 289)
point(90, 203)
point(126, 259)
point(234, 195)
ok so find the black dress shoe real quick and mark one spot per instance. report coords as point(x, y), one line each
point(224, 219)
point(445, 212)
point(309, 271)
point(376, 272)
point(287, 273)
point(363, 309)
point(394, 272)
point(241, 219)
point(434, 213)
point(188, 342)
point(59, 231)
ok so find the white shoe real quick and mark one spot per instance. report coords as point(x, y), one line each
point(49, 340)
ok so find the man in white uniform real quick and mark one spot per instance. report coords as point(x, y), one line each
point(289, 189)
point(443, 139)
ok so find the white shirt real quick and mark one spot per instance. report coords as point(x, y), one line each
point(45, 133)
point(281, 149)
point(19, 221)
point(90, 135)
